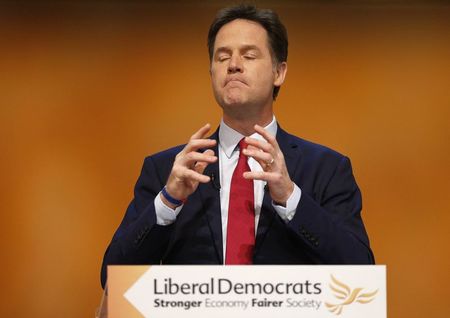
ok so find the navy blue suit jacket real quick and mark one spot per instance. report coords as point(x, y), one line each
point(327, 227)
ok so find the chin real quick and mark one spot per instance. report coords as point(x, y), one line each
point(234, 99)
point(233, 103)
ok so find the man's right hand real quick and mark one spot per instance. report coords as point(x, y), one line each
point(188, 167)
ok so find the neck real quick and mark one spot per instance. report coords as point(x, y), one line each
point(245, 125)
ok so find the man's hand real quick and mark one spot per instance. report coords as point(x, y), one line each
point(269, 156)
point(188, 167)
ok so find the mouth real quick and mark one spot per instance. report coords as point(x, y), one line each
point(234, 81)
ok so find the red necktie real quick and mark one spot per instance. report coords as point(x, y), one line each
point(241, 215)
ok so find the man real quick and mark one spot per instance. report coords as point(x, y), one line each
point(251, 193)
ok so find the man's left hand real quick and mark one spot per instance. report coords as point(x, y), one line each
point(268, 154)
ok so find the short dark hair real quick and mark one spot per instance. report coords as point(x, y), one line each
point(267, 18)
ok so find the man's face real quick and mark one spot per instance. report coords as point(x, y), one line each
point(242, 69)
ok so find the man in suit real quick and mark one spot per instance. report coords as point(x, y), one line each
point(251, 193)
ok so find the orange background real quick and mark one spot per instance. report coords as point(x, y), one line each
point(88, 89)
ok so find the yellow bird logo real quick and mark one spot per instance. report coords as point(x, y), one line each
point(348, 296)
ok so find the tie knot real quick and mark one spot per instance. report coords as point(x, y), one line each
point(242, 144)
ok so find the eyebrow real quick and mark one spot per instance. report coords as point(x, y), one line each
point(244, 48)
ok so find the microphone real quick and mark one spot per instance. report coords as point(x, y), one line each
point(214, 182)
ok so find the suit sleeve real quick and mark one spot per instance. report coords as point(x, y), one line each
point(330, 225)
point(139, 239)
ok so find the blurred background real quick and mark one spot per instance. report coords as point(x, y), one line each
point(89, 88)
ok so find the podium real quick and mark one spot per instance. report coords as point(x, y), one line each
point(217, 291)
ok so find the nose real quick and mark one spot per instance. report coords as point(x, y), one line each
point(235, 65)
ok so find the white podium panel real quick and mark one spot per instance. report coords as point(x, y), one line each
point(198, 291)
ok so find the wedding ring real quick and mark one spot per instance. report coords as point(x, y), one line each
point(271, 161)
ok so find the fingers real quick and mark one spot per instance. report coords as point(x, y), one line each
point(201, 132)
point(258, 155)
point(259, 144)
point(269, 155)
point(198, 140)
point(195, 144)
point(267, 136)
point(190, 163)
point(192, 157)
point(190, 166)
point(263, 175)
point(192, 175)
point(264, 152)
point(200, 166)
point(270, 143)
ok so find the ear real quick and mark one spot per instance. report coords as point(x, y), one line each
point(280, 73)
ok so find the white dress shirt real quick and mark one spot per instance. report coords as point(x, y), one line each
point(228, 158)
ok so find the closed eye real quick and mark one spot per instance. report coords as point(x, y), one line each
point(223, 57)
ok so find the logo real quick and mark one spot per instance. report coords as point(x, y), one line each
point(347, 296)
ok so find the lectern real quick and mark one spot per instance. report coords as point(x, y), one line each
point(197, 291)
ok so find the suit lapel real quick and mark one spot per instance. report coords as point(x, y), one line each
point(291, 157)
point(210, 196)
point(290, 151)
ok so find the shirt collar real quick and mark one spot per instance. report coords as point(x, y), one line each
point(229, 138)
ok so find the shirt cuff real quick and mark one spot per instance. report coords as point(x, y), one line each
point(287, 213)
point(164, 214)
